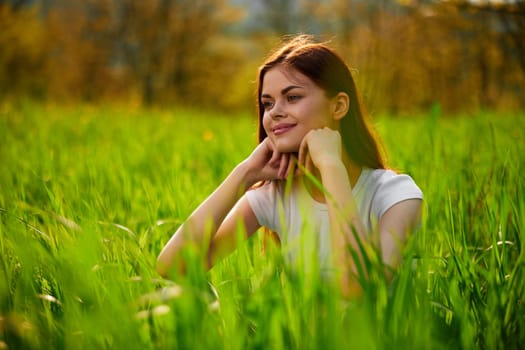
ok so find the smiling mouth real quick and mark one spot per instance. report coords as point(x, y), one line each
point(282, 128)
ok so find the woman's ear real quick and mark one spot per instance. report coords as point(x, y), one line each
point(340, 105)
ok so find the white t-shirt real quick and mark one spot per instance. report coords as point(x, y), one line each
point(293, 214)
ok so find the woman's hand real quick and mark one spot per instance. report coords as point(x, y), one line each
point(320, 147)
point(267, 163)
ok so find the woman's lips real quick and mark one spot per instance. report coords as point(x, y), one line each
point(282, 128)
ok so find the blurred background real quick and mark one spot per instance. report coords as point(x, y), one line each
point(408, 56)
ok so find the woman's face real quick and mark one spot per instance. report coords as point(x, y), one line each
point(293, 105)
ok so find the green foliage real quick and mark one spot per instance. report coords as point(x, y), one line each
point(90, 195)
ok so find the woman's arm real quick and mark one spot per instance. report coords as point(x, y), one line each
point(344, 220)
point(322, 149)
point(202, 225)
point(212, 227)
point(395, 225)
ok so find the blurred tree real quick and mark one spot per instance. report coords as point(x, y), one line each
point(509, 13)
point(279, 15)
point(16, 4)
point(162, 42)
point(407, 55)
point(108, 48)
point(503, 23)
point(414, 54)
point(22, 52)
point(80, 40)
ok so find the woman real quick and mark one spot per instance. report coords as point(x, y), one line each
point(318, 159)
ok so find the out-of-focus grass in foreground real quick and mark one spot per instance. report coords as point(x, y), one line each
point(88, 196)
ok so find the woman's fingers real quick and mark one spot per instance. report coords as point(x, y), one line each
point(292, 166)
point(308, 164)
point(303, 151)
point(275, 159)
point(283, 165)
point(305, 160)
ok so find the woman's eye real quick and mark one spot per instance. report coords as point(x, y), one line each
point(293, 98)
point(267, 104)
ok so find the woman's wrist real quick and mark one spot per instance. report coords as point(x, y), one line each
point(243, 172)
point(331, 164)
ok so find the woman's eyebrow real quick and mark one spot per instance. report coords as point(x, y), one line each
point(283, 91)
point(288, 88)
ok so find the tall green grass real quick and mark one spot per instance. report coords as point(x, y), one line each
point(88, 197)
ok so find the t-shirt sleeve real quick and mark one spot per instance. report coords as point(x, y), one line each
point(262, 200)
point(392, 190)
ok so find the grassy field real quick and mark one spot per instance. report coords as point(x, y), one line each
point(88, 196)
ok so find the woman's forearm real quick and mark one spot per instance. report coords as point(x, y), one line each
point(344, 219)
point(203, 223)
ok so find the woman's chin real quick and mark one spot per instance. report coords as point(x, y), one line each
point(287, 148)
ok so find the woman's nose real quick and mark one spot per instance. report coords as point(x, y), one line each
point(277, 111)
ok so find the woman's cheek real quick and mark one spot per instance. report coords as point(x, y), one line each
point(266, 125)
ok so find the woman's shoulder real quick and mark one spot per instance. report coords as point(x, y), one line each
point(386, 187)
point(264, 199)
point(268, 191)
point(385, 176)
point(381, 173)
point(268, 186)
point(388, 182)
